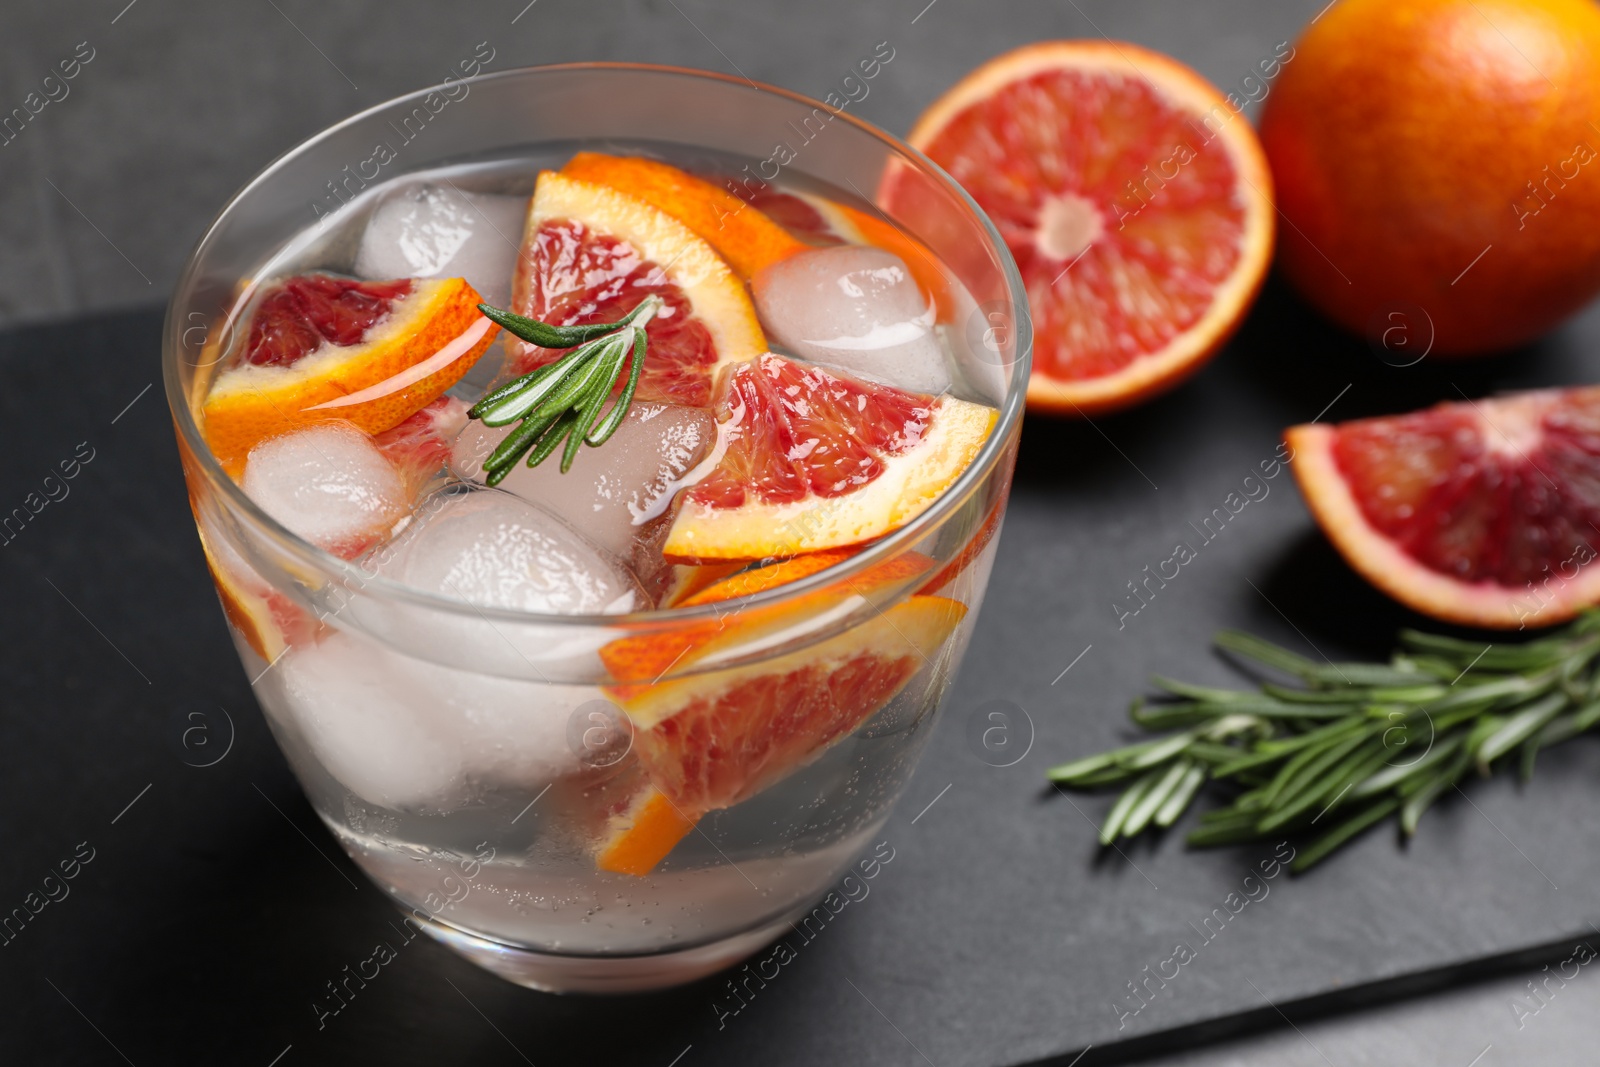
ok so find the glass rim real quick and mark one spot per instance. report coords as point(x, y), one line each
point(351, 572)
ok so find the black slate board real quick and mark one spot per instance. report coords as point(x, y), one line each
point(215, 908)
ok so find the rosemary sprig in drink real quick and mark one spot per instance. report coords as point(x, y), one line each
point(1350, 746)
point(563, 400)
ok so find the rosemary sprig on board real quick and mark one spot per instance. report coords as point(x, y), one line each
point(1349, 746)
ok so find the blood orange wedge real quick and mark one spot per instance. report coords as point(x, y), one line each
point(803, 216)
point(637, 662)
point(320, 348)
point(420, 446)
point(268, 620)
point(1482, 513)
point(745, 237)
point(684, 580)
point(813, 461)
point(1136, 201)
point(710, 740)
point(592, 254)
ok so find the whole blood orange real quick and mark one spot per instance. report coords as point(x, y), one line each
point(1484, 513)
point(1440, 154)
point(1135, 199)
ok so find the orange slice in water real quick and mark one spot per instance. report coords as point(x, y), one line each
point(1483, 513)
point(710, 740)
point(320, 348)
point(1136, 201)
point(813, 461)
point(592, 253)
point(739, 227)
point(745, 237)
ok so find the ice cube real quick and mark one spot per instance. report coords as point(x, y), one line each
point(329, 484)
point(401, 732)
point(855, 308)
point(612, 491)
point(438, 231)
point(496, 550)
point(365, 721)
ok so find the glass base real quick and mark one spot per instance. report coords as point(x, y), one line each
point(552, 973)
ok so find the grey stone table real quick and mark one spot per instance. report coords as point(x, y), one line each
point(203, 924)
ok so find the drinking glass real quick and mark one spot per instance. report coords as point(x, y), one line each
point(498, 862)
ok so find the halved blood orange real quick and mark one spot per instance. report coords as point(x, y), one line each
point(592, 253)
point(320, 348)
point(1136, 201)
point(813, 461)
point(1482, 513)
point(710, 740)
point(745, 237)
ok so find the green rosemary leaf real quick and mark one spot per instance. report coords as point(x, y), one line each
point(608, 365)
point(1201, 693)
point(1231, 831)
point(1125, 804)
point(1432, 788)
point(514, 387)
point(1283, 804)
point(1355, 675)
point(1169, 716)
point(1193, 777)
point(552, 438)
point(601, 432)
point(1264, 652)
point(1322, 789)
point(1396, 773)
point(543, 334)
point(518, 441)
point(1161, 752)
point(565, 400)
point(1077, 770)
point(1292, 695)
point(1155, 797)
point(1342, 833)
point(1521, 726)
point(1214, 753)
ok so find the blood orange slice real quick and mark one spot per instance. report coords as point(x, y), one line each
point(744, 236)
point(813, 461)
point(805, 217)
point(710, 740)
point(267, 620)
point(420, 447)
point(320, 348)
point(592, 253)
point(1136, 201)
point(1483, 513)
point(637, 662)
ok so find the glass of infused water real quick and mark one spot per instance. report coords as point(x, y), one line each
point(600, 483)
